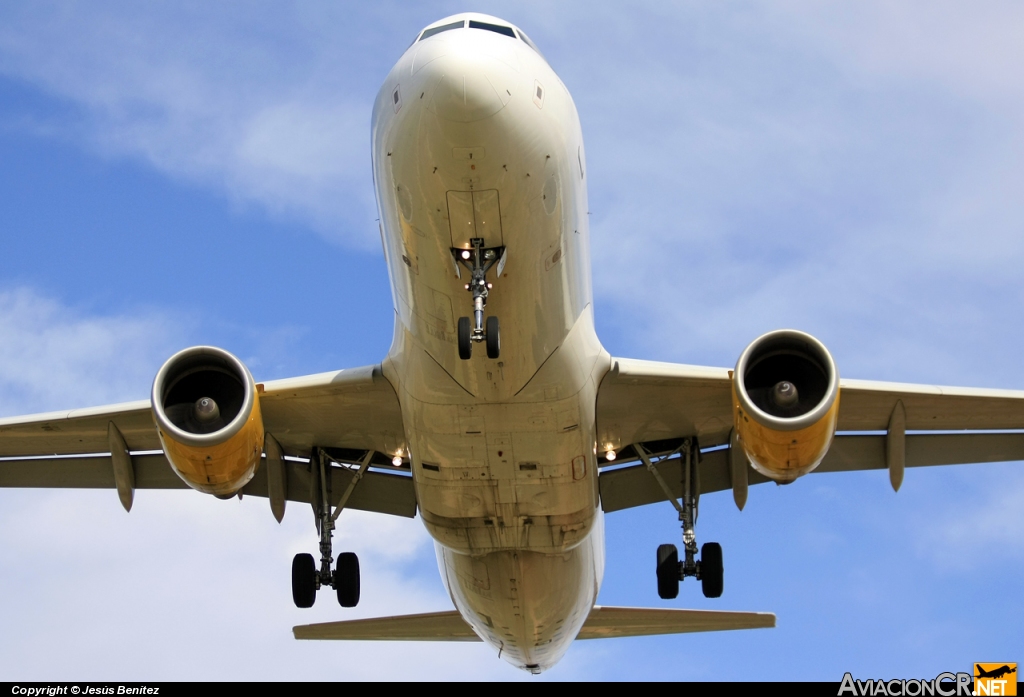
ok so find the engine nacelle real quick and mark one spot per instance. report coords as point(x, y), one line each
point(785, 403)
point(207, 412)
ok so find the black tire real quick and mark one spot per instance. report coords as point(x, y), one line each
point(493, 338)
point(668, 571)
point(711, 569)
point(303, 580)
point(346, 579)
point(465, 339)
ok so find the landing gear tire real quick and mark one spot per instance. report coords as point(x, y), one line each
point(303, 580)
point(668, 572)
point(346, 579)
point(493, 338)
point(465, 339)
point(711, 569)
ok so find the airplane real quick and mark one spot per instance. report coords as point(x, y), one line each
point(995, 672)
point(510, 448)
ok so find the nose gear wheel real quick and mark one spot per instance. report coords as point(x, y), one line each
point(493, 338)
point(479, 260)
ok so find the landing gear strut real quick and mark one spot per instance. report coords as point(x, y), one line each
point(708, 569)
point(479, 261)
point(306, 579)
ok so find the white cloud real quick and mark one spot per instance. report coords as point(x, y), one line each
point(969, 50)
point(806, 167)
point(261, 107)
point(201, 587)
point(52, 357)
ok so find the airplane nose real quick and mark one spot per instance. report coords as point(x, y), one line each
point(471, 83)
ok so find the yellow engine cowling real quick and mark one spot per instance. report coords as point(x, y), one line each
point(785, 393)
point(207, 412)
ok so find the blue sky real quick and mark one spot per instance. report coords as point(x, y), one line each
point(173, 174)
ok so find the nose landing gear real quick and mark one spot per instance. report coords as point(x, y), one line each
point(670, 571)
point(479, 261)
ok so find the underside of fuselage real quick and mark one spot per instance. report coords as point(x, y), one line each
point(476, 143)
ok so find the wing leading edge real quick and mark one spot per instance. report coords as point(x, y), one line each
point(352, 408)
point(660, 403)
point(347, 412)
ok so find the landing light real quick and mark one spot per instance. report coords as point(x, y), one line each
point(396, 461)
point(465, 254)
point(610, 455)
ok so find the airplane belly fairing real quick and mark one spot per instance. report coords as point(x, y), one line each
point(509, 475)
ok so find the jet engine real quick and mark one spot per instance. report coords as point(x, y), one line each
point(207, 412)
point(785, 403)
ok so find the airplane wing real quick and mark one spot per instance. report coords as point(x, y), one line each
point(347, 412)
point(602, 623)
point(656, 404)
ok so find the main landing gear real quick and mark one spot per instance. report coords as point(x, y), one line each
point(306, 579)
point(708, 569)
point(479, 261)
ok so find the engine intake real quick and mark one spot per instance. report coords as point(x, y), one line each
point(785, 403)
point(207, 412)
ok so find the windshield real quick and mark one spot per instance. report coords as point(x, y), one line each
point(427, 33)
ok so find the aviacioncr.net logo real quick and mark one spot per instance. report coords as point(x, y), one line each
point(942, 685)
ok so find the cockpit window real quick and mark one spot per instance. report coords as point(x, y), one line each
point(427, 33)
point(526, 40)
point(507, 31)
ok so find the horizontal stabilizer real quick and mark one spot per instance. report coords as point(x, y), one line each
point(431, 626)
point(609, 622)
point(603, 623)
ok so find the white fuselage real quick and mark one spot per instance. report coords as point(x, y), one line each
point(475, 136)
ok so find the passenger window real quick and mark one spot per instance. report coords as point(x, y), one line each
point(427, 33)
point(507, 31)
